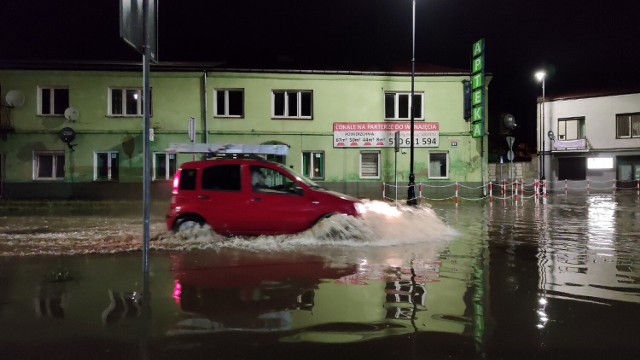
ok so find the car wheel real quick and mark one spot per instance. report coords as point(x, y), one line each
point(187, 223)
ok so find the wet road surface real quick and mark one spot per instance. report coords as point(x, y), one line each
point(475, 281)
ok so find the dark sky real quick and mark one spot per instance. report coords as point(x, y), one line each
point(584, 45)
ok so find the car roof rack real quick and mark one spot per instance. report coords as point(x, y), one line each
point(228, 150)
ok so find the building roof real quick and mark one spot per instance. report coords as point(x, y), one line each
point(591, 93)
point(421, 69)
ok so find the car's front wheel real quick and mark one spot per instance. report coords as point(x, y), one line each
point(187, 223)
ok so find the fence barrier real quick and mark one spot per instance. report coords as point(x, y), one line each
point(517, 191)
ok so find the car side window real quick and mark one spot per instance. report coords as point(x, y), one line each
point(268, 180)
point(188, 179)
point(221, 177)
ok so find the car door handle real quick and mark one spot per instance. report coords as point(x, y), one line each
point(203, 197)
point(256, 199)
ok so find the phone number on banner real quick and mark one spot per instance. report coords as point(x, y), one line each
point(376, 139)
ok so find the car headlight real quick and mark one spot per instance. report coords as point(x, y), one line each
point(360, 208)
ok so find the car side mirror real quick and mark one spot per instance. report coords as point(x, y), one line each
point(296, 189)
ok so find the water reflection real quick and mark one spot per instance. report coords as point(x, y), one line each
point(585, 260)
point(235, 291)
point(305, 297)
point(550, 281)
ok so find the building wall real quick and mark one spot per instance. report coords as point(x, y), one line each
point(599, 114)
point(178, 95)
point(600, 118)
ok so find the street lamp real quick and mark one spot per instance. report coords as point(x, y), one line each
point(411, 196)
point(541, 75)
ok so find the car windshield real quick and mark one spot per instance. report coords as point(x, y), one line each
point(310, 183)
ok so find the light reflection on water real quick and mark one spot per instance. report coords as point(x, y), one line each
point(506, 279)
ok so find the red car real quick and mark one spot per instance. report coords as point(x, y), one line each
point(250, 196)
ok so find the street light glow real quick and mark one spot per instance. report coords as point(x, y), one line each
point(540, 75)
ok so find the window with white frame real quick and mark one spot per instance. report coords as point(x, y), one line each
point(370, 165)
point(292, 104)
point(628, 126)
point(52, 100)
point(164, 166)
point(397, 105)
point(229, 103)
point(313, 164)
point(127, 102)
point(570, 128)
point(438, 165)
point(106, 166)
point(48, 165)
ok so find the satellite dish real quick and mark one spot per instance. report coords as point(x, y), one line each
point(509, 121)
point(71, 114)
point(67, 135)
point(14, 98)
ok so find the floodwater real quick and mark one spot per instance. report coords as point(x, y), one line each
point(476, 281)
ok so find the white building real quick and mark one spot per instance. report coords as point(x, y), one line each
point(591, 141)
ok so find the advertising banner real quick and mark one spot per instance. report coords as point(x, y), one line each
point(381, 134)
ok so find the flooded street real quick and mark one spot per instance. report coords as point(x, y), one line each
point(476, 281)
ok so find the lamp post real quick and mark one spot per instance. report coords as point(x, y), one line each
point(411, 196)
point(541, 75)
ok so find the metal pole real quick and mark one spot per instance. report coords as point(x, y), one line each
point(543, 133)
point(411, 196)
point(147, 110)
point(395, 174)
point(540, 144)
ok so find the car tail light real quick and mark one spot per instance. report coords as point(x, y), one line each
point(176, 183)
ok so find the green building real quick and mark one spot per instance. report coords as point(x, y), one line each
point(339, 125)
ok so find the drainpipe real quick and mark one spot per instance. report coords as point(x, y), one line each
point(205, 106)
point(483, 155)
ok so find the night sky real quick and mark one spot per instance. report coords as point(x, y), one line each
point(583, 45)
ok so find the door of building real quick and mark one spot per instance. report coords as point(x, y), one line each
point(628, 171)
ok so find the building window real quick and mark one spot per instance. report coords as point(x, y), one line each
point(164, 166)
point(292, 104)
point(397, 106)
point(127, 102)
point(628, 170)
point(48, 165)
point(229, 103)
point(438, 165)
point(370, 165)
point(106, 166)
point(52, 100)
point(313, 164)
point(628, 126)
point(570, 129)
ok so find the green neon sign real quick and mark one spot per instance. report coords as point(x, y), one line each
point(476, 130)
point(478, 48)
point(477, 87)
point(476, 97)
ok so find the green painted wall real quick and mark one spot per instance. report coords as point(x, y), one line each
point(178, 95)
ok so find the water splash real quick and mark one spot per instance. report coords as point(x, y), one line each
point(382, 224)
